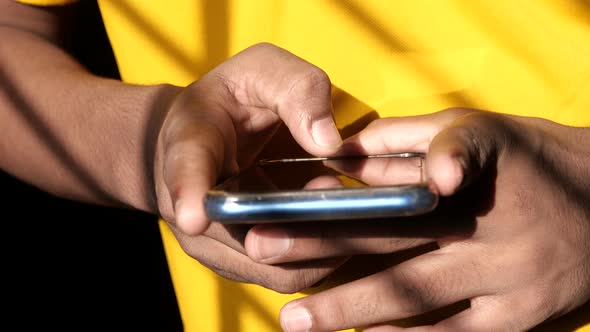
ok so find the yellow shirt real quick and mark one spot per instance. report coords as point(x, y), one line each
point(526, 57)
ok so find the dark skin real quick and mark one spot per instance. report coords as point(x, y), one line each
point(519, 253)
point(512, 231)
point(156, 148)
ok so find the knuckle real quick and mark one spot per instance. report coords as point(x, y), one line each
point(417, 291)
point(481, 121)
point(315, 78)
point(287, 288)
point(467, 134)
point(282, 284)
point(485, 125)
point(455, 112)
point(290, 281)
point(310, 90)
point(255, 51)
point(470, 137)
point(309, 82)
point(264, 46)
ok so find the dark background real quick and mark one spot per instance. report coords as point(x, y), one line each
point(72, 266)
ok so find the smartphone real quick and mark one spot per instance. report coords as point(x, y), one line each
point(327, 188)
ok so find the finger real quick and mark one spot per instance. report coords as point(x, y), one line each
point(324, 182)
point(294, 242)
point(380, 171)
point(193, 160)
point(465, 147)
point(460, 142)
point(414, 287)
point(233, 265)
point(304, 241)
point(268, 77)
point(272, 244)
point(232, 236)
point(403, 134)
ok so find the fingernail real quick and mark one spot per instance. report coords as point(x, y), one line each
point(296, 319)
point(325, 133)
point(271, 243)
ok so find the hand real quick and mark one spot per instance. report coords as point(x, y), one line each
point(220, 124)
point(512, 230)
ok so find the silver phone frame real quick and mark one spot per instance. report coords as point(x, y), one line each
point(365, 203)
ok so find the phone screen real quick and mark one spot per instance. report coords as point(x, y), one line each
point(331, 188)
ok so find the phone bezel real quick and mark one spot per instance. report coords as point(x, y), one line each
point(372, 202)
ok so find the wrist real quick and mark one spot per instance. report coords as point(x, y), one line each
point(133, 163)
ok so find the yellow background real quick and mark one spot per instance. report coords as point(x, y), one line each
point(385, 58)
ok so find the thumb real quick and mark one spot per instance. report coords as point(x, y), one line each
point(459, 153)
